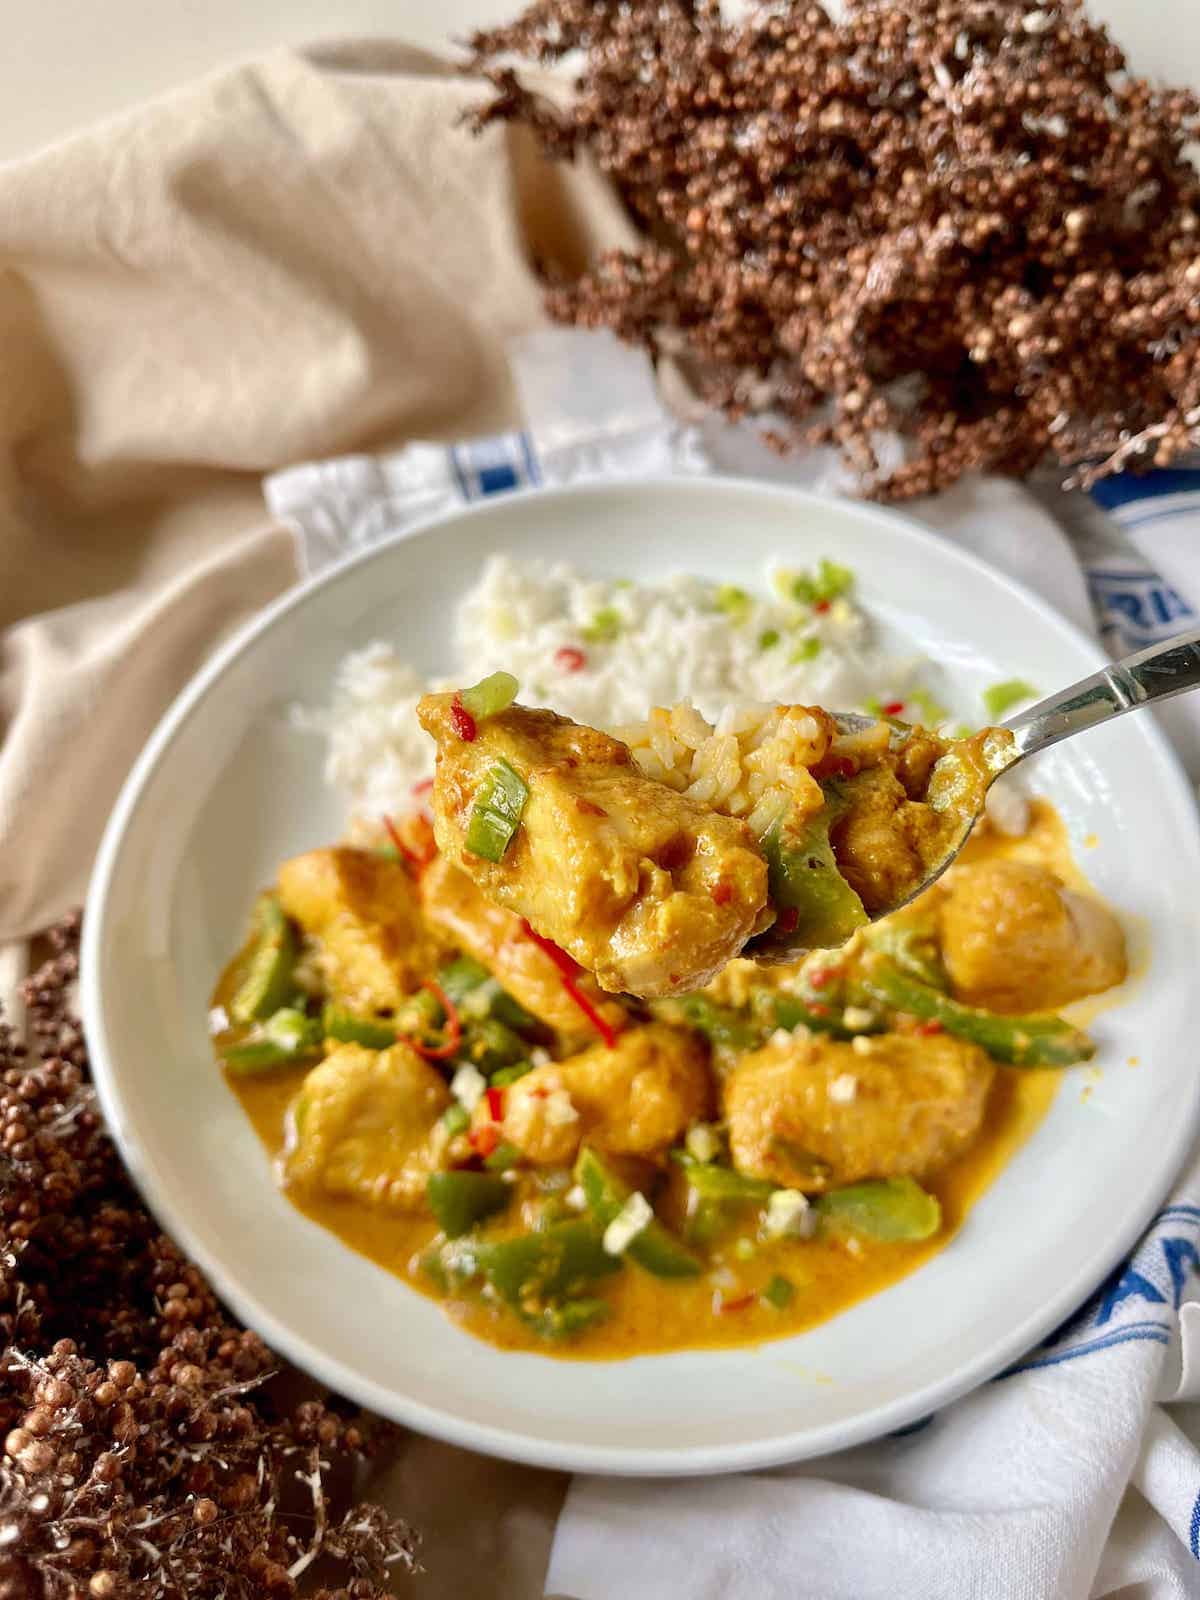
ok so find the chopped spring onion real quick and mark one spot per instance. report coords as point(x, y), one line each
point(504, 1156)
point(456, 1120)
point(496, 814)
point(932, 713)
point(1000, 698)
point(490, 695)
point(768, 638)
point(829, 582)
point(604, 626)
point(733, 601)
point(779, 1292)
point(506, 1075)
point(806, 650)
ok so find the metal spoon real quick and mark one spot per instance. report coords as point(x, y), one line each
point(1139, 680)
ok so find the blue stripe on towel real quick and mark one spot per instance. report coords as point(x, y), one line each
point(1128, 488)
point(1129, 1333)
point(494, 465)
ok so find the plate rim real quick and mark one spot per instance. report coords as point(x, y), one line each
point(511, 1443)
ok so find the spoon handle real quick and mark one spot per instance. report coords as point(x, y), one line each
point(1156, 674)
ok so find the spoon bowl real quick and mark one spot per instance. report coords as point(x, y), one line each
point(1159, 673)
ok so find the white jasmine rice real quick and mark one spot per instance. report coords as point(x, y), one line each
point(605, 653)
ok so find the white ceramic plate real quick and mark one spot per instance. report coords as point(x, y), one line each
point(226, 789)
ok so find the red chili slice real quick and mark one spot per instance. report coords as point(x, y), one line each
point(820, 976)
point(570, 659)
point(893, 708)
point(462, 721)
point(495, 1104)
point(484, 1140)
point(417, 860)
point(927, 1030)
point(568, 967)
point(740, 1304)
point(831, 766)
point(788, 920)
point(822, 605)
point(443, 1051)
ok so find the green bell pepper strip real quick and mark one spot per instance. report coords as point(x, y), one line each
point(816, 908)
point(459, 1200)
point(496, 814)
point(723, 1025)
point(267, 981)
point(712, 1182)
point(507, 1075)
point(779, 1292)
point(490, 695)
point(570, 1317)
point(479, 995)
point(348, 1028)
point(286, 1037)
point(504, 1156)
point(543, 1266)
point(746, 1030)
point(655, 1248)
point(1019, 1041)
point(792, 1011)
point(705, 1219)
point(889, 1209)
point(456, 1119)
point(490, 1045)
point(910, 944)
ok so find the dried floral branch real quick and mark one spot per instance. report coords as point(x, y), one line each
point(959, 221)
point(145, 1449)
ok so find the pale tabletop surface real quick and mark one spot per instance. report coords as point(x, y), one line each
point(66, 64)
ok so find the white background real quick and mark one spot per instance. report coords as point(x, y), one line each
point(64, 63)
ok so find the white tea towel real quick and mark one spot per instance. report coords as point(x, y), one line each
point(1066, 1477)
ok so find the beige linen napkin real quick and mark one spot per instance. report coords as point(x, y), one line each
point(298, 257)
